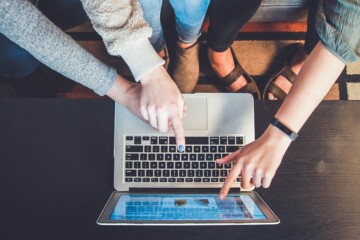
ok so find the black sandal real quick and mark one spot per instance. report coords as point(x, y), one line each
point(282, 68)
point(234, 75)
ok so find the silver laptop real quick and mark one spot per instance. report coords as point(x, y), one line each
point(216, 125)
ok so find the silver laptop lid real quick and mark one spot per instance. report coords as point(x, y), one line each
point(209, 114)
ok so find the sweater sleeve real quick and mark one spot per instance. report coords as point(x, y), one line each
point(26, 26)
point(125, 33)
point(338, 26)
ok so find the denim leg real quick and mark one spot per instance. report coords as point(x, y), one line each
point(189, 16)
point(152, 12)
point(15, 61)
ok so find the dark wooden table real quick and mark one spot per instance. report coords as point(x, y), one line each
point(56, 175)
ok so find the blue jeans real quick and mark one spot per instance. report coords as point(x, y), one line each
point(189, 16)
point(15, 61)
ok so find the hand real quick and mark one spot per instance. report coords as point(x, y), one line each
point(256, 162)
point(127, 94)
point(162, 104)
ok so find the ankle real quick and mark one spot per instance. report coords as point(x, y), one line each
point(184, 45)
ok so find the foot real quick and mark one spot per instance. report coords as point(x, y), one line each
point(222, 63)
point(186, 66)
point(295, 64)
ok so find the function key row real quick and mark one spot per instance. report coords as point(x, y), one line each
point(163, 140)
point(188, 149)
point(173, 157)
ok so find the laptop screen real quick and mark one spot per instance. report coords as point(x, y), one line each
point(185, 207)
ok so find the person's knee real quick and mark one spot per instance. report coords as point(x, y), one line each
point(17, 63)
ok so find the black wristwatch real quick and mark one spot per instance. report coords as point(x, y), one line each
point(292, 135)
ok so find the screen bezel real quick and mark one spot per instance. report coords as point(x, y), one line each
point(104, 218)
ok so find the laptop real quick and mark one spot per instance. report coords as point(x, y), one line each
point(148, 169)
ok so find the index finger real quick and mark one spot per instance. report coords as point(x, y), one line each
point(234, 173)
point(178, 128)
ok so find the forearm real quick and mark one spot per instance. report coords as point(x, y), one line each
point(125, 33)
point(315, 79)
point(25, 25)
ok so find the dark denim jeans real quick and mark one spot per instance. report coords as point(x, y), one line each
point(16, 62)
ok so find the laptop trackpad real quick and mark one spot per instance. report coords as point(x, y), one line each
point(197, 117)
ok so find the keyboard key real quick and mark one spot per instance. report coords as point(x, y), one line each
point(171, 179)
point(156, 149)
point(209, 157)
point(215, 173)
point(223, 140)
point(151, 156)
point(206, 179)
point(207, 173)
point(168, 157)
point(188, 180)
point(145, 164)
point(182, 173)
point(197, 179)
point(190, 173)
point(170, 165)
point(176, 157)
point(163, 140)
point(135, 149)
point(163, 179)
point(130, 173)
point(223, 173)
point(180, 180)
point(187, 165)
point(153, 165)
point(188, 149)
point(178, 165)
point(213, 149)
point(199, 173)
point(141, 173)
point(132, 156)
point(217, 156)
point(219, 166)
point(214, 180)
point(146, 138)
point(174, 173)
point(128, 164)
point(154, 180)
point(157, 173)
point(239, 140)
point(222, 179)
point(231, 140)
point(197, 149)
point(214, 140)
point(172, 140)
point(146, 180)
point(137, 165)
point(201, 157)
point(197, 140)
point(147, 148)
point(194, 165)
point(162, 165)
point(166, 173)
point(203, 165)
point(137, 179)
point(192, 157)
point(231, 149)
point(211, 165)
point(184, 157)
point(143, 156)
point(221, 148)
point(164, 149)
point(137, 140)
point(159, 156)
point(153, 140)
point(129, 138)
point(205, 149)
point(149, 173)
point(172, 149)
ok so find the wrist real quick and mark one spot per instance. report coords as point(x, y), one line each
point(119, 90)
point(154, 74)
point(277, 136)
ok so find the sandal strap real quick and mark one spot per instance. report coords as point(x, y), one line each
point(232, 76)
point(276, 91)
point(288, 73)
point(251, 88)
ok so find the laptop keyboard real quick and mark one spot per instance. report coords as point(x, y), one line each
point(156, 158)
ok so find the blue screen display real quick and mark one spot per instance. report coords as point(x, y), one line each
point(162, 207)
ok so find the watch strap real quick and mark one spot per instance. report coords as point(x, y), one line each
point(292, 135)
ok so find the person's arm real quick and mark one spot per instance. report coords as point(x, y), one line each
point(258, 161)
point(125, 33)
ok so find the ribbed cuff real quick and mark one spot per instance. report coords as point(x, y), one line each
point(141, 58)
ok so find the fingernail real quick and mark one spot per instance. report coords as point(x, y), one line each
point(181, 148)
